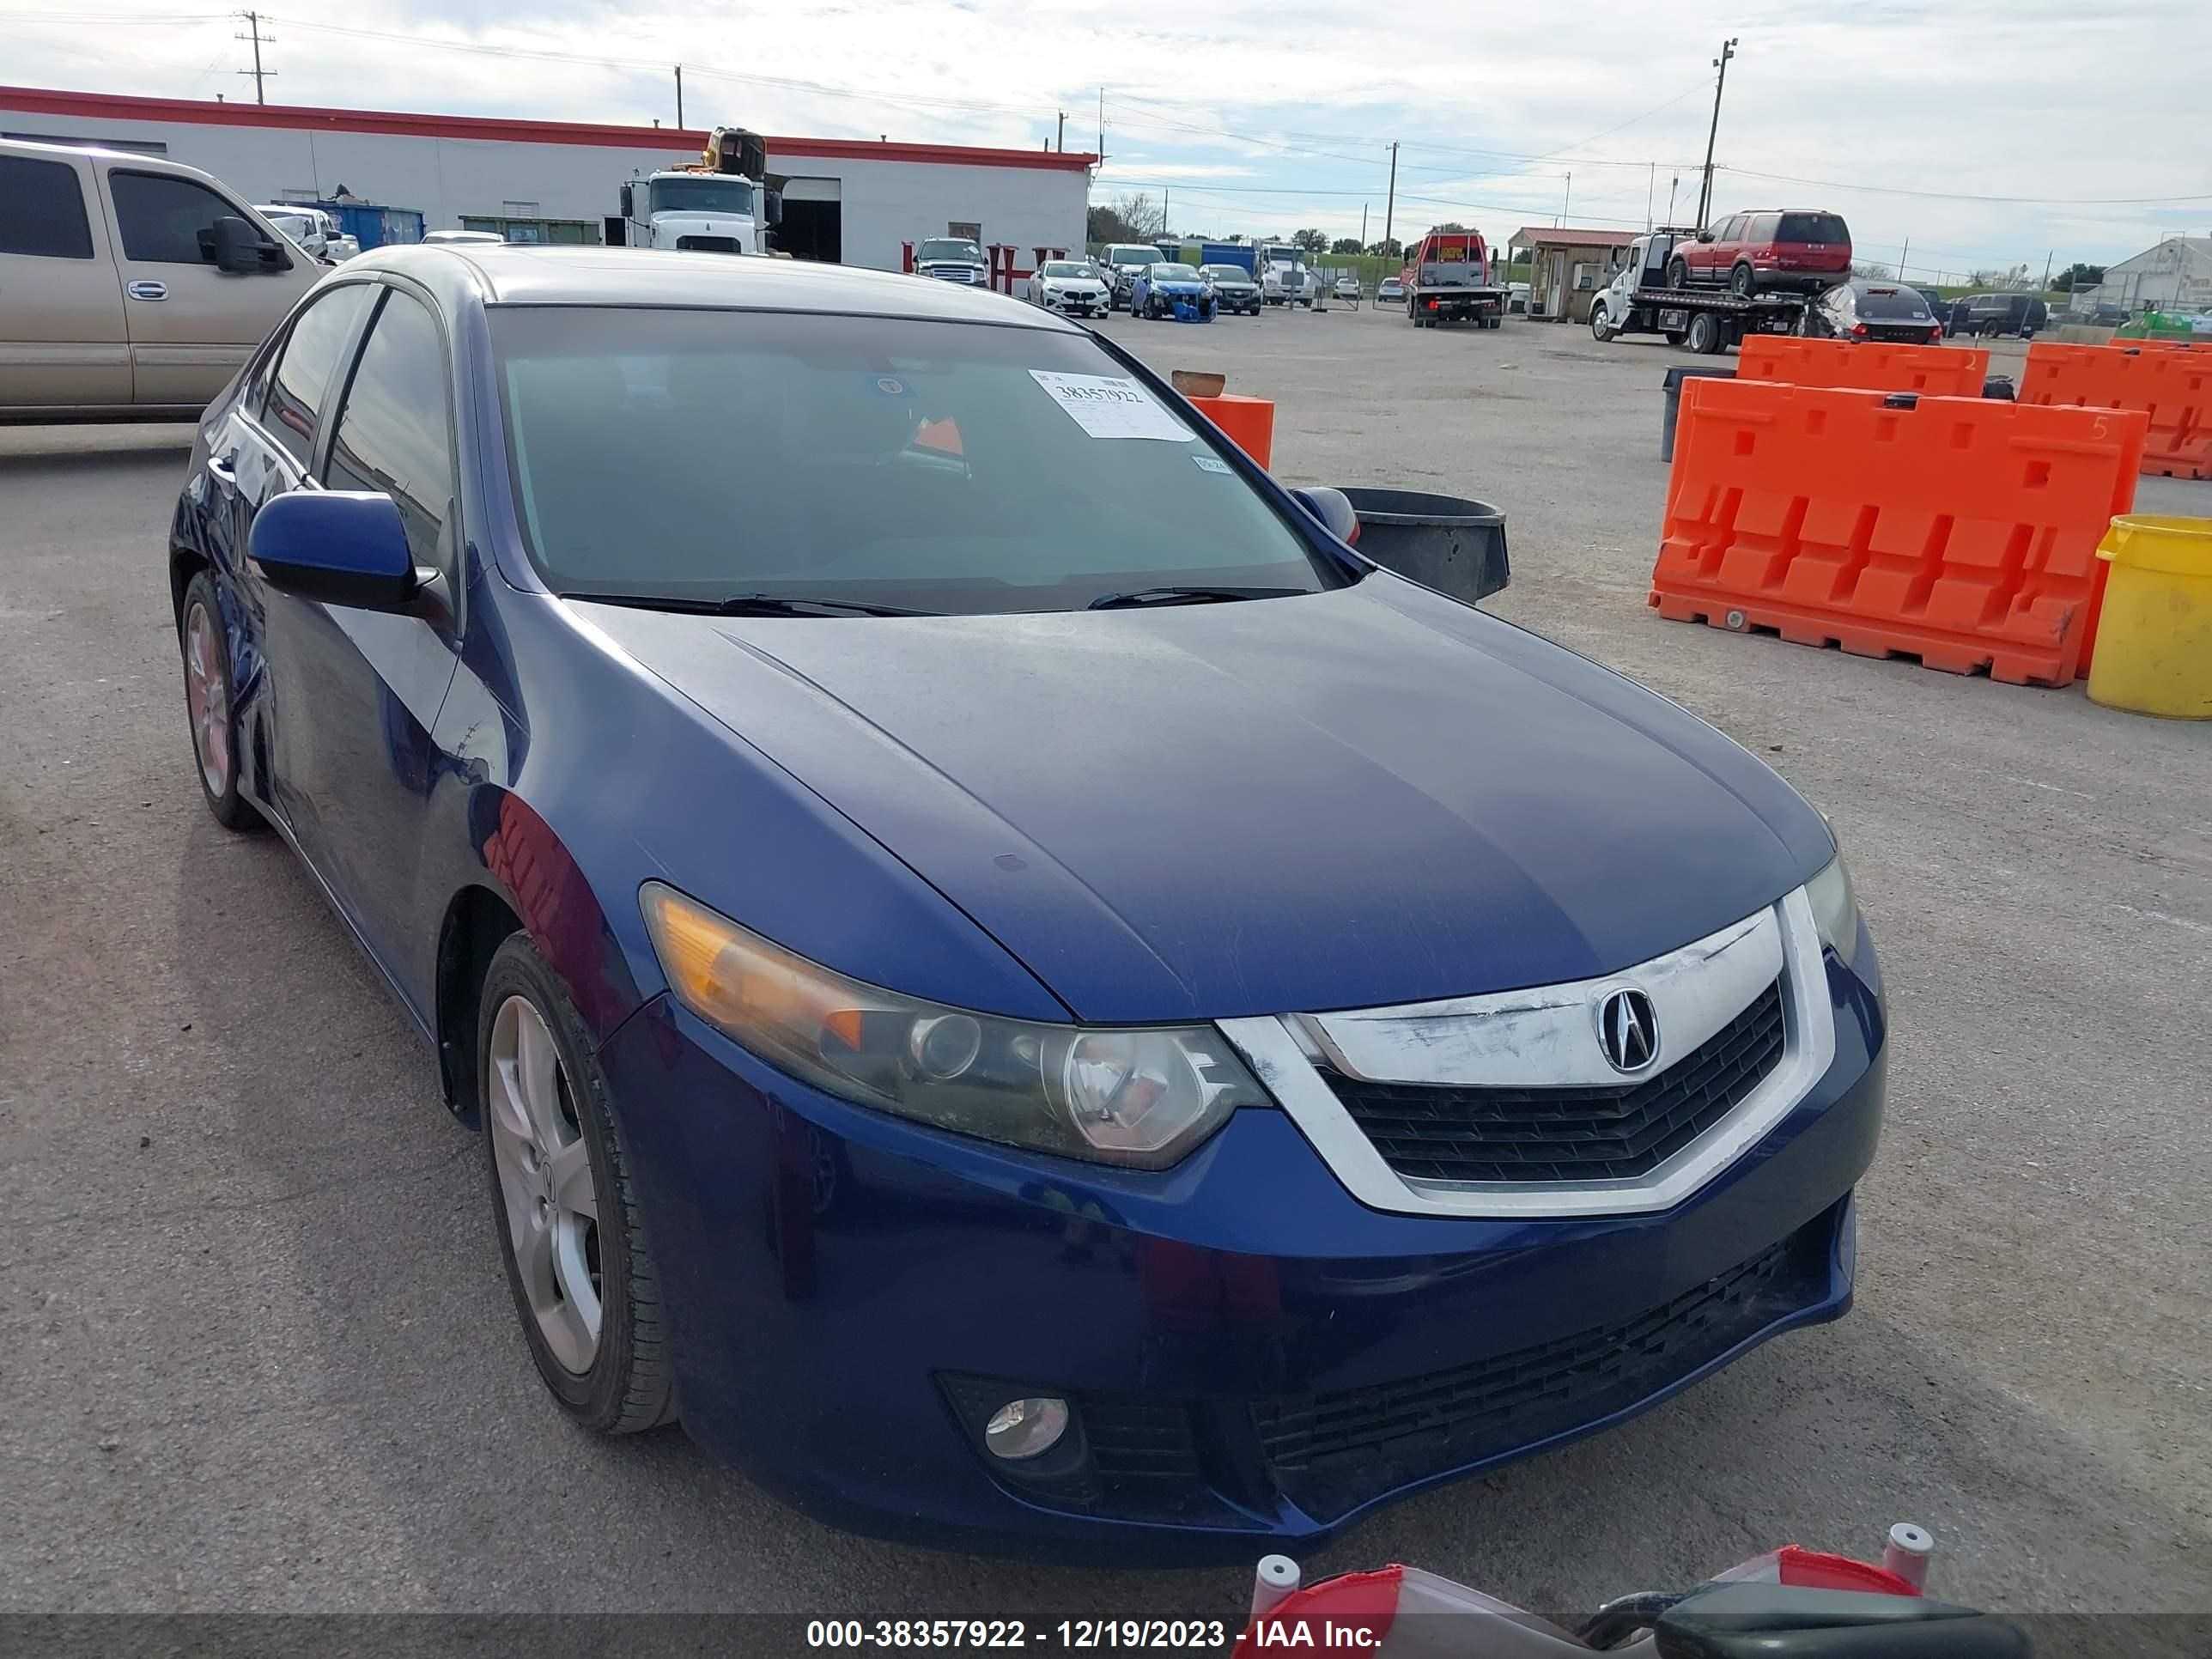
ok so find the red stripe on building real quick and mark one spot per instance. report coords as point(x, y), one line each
point(110, 106)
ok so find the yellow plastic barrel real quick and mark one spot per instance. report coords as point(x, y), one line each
point(2153, 652)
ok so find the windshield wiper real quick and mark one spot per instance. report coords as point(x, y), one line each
point(1136, 599)
point(752, 605)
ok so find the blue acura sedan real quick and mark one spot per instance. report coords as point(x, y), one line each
point(1015, 1027)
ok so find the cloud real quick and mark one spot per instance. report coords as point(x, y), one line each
point(1898, 116)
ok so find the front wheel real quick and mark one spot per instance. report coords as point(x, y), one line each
point(584, 1285)
point(1678, 274)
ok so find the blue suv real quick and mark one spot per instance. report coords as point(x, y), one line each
point(1012, 1037)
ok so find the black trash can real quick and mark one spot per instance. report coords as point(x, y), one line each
point(1445, 542)
point(1673, 384)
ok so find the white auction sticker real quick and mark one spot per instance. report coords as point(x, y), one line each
point(1111, 406)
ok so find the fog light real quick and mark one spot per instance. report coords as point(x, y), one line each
point(1025, 1428)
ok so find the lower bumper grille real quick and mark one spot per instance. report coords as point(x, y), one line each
point(1331, 1452)
point(1427, 1132)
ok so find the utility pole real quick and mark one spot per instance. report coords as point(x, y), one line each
point(1362, 227)
point(1566, 201)
point(679, 95)
point(1650, 189)
point(1060, 142)
point(1390, 201)
point(2047, 259)
point(1672, 185)
point(1163, 210)
point(1721, 62)
point(253, 22)
point(1101, 123)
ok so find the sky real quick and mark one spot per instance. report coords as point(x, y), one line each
point(1972, 134)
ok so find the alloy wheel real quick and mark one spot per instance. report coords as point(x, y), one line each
point(551, 1203)
point(206, 699)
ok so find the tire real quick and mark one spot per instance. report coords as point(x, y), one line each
point(1742, 281)
point(210, 707)
point(1678, 274)
point(1705, 334)
point(568, 1125)
point(1674, 337)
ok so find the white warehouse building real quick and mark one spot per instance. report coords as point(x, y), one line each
point(2175, 275)
point(848, 201)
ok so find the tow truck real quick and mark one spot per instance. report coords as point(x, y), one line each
point(725, 203)
point(1448, 280)
point(1707, 320)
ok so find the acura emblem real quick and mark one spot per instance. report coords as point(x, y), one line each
point(1628, 1030)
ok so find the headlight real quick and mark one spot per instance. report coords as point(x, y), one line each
point(1835, 908)
point(1141, 1097)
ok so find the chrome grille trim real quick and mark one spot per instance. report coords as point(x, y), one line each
point(1547, 1035)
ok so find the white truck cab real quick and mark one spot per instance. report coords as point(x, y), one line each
point(722, 206)
point(1284, 279)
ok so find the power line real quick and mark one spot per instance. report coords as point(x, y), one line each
point(1956, 195)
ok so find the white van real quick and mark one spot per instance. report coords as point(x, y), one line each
point(131, 288)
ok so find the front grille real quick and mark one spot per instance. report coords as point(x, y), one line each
point(1429, 1132)
point(1331, 1452)
point(708, 244)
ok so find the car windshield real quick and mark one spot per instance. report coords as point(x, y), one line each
point(1893, 303)
point(1129, 253)
point(706, 193)
point(1167, 271)
point(1226, 273)
point(1811, 228)
point(1066, 268)
point(952, 248)
point(698, 456)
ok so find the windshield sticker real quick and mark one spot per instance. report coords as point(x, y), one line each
point(1111, 406)
point(1211, 464)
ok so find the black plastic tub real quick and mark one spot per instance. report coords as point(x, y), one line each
point(1448, 542)
point(1673, 384)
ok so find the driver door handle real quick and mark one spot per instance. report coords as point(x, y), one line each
point(147, 291)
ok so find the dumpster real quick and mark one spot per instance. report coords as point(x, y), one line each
point(1674, 386)
point(2154, 648)
point(1448, 542)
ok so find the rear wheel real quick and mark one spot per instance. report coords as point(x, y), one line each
point(1705, 334)
point(209, 707)
point(1740, 281)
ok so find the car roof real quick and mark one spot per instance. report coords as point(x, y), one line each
point(537, 274)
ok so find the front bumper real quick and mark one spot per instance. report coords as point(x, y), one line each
point(1253, 1355)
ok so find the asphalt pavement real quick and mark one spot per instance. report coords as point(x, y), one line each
point(257, 1354)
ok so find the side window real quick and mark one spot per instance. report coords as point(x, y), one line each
point(161, 217)
point(304, 363)
point(393, 432)
point(42, 209)
point(1762, 228)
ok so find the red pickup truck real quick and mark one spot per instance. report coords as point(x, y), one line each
point(1448, 280)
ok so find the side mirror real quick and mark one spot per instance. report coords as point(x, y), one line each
point(342, 547)
point(629, 210)
point(238, 248)
point(773, 208)
point(1334, 510)
point(1705, 235)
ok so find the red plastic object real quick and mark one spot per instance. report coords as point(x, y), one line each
point(1818, 1569)
point(1938, 371)
point(1960, 530)
point(2170, 386)
point(1249, 422)
point(1352, 1613)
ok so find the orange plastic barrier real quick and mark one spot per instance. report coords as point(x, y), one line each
point(1961, 530)
point(1249, 422)
point(2171, 385)
point(1939, 371)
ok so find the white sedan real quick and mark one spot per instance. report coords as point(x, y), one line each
point(1071, 286)
point(1389, 292)
point(1348, 287)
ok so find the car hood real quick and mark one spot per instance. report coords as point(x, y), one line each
point(1367, 796)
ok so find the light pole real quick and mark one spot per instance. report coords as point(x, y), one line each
point(1721, 62)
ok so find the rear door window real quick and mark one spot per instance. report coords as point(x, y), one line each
point(304, 365)
point(161, 217)
point(1759, 228)
point(1812, 227)
point(393, 433)
point(42, 209)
